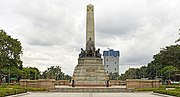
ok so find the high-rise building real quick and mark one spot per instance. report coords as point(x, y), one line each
point(111, 61)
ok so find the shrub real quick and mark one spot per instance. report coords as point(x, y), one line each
point(148, 89)
point(10, 91)
point(175, 92)
point(169, 86)
point(6, 90)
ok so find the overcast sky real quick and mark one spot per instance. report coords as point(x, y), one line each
point(53, 31)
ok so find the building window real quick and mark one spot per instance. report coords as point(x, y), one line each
point(115, 68)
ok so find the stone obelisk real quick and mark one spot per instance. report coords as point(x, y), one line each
point(90, 23)
point(90, 70)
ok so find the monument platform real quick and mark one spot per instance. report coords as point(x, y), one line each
point(90, 72)
point(113, 89)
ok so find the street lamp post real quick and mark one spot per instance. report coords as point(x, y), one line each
point(9, 73)
point(29, 75)
point(35, 75)
point(9, 77)
point(169, 75)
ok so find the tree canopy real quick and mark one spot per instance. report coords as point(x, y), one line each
point(55, 72)
point(10, 50)
point(168, 56)
point(164, 65)
point(11, 64)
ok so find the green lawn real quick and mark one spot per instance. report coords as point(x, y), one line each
point(10, 91)
point(6, 90)
point(173, 90)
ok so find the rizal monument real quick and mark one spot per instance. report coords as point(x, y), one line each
point(90, 70)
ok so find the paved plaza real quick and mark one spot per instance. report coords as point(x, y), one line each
point(48, 94)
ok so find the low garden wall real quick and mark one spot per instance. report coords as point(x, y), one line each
point(117, 82)
point(141, 83)
point(62, 82)
point(41, 83)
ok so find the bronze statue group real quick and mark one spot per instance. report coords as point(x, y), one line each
point(90, 50)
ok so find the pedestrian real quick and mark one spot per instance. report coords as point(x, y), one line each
point(73, 81)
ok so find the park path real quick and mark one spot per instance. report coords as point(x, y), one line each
point(48, 94)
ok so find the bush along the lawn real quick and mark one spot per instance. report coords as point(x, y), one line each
point(10, 91)
point(7, 90)
point(175, 92)
point(170, 86)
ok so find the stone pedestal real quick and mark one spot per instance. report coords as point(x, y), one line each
point(90, 72)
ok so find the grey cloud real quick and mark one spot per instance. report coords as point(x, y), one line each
point(52, 32)
point(48, 21)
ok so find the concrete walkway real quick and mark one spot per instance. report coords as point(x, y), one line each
point(48, 94)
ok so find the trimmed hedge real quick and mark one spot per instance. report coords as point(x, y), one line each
point(162, 90)
point(175, 92)
point(170, 86)
point(10, 91)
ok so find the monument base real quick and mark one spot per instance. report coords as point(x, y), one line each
point(90, 72)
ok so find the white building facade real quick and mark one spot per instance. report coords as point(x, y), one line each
point(111, 61)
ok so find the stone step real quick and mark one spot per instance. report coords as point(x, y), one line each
point(79, 89)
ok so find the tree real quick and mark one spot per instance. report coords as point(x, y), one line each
point(10, 50)
point(132, 73)
point(30, 73)
point(114, 76)
point(165, 63)
point(168, 56)
point(10, 61)
point(54, 72)
point(168, 72)
point(151, 70)
point(143, 72)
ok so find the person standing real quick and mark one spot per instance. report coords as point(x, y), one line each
point(107, 82)
point(73, 81)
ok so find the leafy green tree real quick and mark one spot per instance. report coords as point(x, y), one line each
point(10, 50)
point(164, 63)
point(10, 61)
point(54, 72)
point(143, 72)
point(151, 70)
point(168, 72)
point(30, 73)
point(67, 77)
point(132, 73)
point(114, 76)
point(169, 56)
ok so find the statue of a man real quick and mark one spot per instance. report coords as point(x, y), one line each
point(82, 54)
point(90, 47)
point(97, 53)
